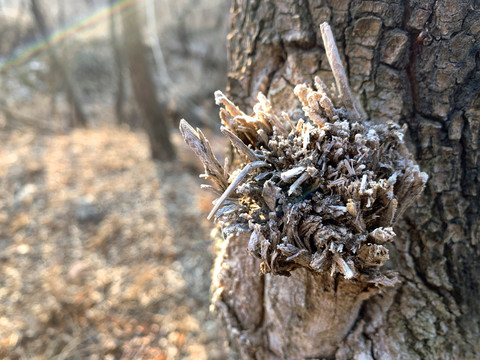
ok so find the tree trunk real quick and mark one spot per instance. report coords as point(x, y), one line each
point(414, 62)
point(153, 111)
point(119, 96)
point(79, 116)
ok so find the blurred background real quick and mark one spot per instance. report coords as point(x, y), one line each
point(105, 252)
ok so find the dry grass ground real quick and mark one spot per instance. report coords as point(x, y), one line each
point(104, 254)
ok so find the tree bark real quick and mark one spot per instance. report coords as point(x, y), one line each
point(414, 62)
point(153, 111)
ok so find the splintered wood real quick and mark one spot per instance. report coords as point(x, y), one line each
point(322, 193)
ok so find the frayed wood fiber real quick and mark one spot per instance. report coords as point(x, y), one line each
point(322, 193)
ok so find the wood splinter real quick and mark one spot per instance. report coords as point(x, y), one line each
point(344, 92)
point(238, 180)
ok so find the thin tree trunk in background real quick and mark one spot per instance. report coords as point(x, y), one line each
point(53, 89)
point(160, 64)
point(153, 111)
point(62, 52)
point(117, 58)
point(52, 86)
point(72, 92)
point(414, 62)
point(184, 107)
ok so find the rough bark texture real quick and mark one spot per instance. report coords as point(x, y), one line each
point(414, 62)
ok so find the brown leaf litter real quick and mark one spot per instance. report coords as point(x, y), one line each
point(103, 252)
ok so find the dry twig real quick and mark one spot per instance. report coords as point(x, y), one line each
point(344, 92)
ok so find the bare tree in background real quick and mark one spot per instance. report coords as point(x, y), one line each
point(79, 118)
point(118, 60)
point(181, 105)
point(153, 111)
point(414, 62)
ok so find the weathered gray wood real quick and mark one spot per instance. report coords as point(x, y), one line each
point(344, 92)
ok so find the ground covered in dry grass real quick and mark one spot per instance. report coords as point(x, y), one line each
point(104, 254)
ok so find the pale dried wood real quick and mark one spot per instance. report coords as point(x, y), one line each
point(234, 184)
point(344, 92)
